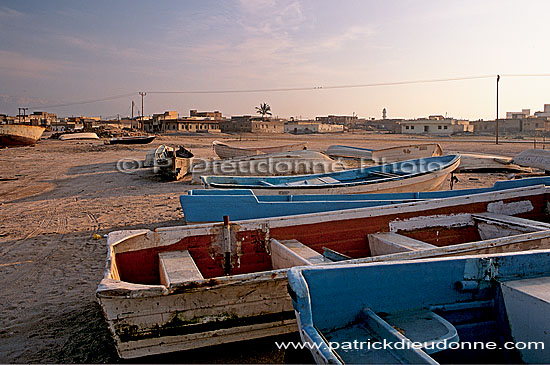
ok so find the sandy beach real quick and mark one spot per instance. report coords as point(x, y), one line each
point(56, 195)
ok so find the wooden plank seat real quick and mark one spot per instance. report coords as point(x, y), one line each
point(290, 253)
point(385, 243)
point(522, 224)
point(177, 267)
point(384, 174)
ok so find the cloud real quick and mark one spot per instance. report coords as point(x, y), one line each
point(9, 13)
point(97, 48)
point(18, 64)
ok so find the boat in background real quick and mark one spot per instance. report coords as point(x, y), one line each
point(226, 151)
point(482, 162)
point(387, 155)
point(299, 162)
point(19, 134)
point(132, 140)
point(538, 159)
point(427, 174)
point(178, 288)
point(430, 307)
point(71, 136)
point(211, 205)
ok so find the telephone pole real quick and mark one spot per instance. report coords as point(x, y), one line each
point(496, 121)
point(142, 93)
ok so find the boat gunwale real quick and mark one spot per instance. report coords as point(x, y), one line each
point(447, 166)
point(110, 287)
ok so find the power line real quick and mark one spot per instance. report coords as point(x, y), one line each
point(409, 82)
point(288, 89)
point(84, 102)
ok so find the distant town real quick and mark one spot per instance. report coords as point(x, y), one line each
point(521, 123)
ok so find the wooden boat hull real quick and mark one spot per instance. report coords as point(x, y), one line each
point(19, 134)
point(226, 151)
point(434, 303)
point(72, 136)
point(539, 159)
point(387, 155)
point(401, 153)
point(209, 205)
point(242, 295)
point(480, 162)
point(270, 164)
point(132, 140)
point(425, 181)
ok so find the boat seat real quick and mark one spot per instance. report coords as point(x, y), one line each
point(384, 174)
point(424, 326)
point(385, 243)
point(527, 303)
point(522, 224)
point(177, 267)
point(290, 253)
point(334, 255)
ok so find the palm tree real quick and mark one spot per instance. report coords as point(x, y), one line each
point(264, 109)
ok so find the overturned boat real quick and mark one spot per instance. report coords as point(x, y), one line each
point(132, 140)
point(387, 155)
point(185, 287)
point(19, 134)
point(425, 174)
point(72, 136)
point(226, 151)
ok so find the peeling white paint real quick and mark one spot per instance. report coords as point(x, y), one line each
point(513, 208)
point(447, 221)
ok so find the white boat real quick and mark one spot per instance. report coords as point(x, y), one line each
point(179, 288)
point(539, 159)
point(300, 162)
point(226, 151)
point(425, 174)
point(387, 155)
point(71, 136)
point(483, 162)
point(20, 134)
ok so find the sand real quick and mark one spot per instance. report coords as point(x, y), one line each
point(55, 196)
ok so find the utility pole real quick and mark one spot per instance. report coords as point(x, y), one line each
point(142, 93)
point(132, 119)
point(496, 125)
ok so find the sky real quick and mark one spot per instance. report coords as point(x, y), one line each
point(54, 53)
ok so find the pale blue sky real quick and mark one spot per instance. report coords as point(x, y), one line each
point(56, 52)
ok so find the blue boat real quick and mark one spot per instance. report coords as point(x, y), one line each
point(423, 174)
point(211, 205)
point(469, 309)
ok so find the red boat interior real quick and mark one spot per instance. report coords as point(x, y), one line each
point(250, 250)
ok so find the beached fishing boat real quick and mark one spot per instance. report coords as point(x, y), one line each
point(71, 136)
point(132, 140)
point(387, 155)
point(482, 162)
point(425, 174)
point(429, 311)
point(185, 287)
point(226, 151)
point(19, 134)
point(211, 205)
point(538, 159)
point(299, 162)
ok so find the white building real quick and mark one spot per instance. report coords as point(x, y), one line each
point(435, 124)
